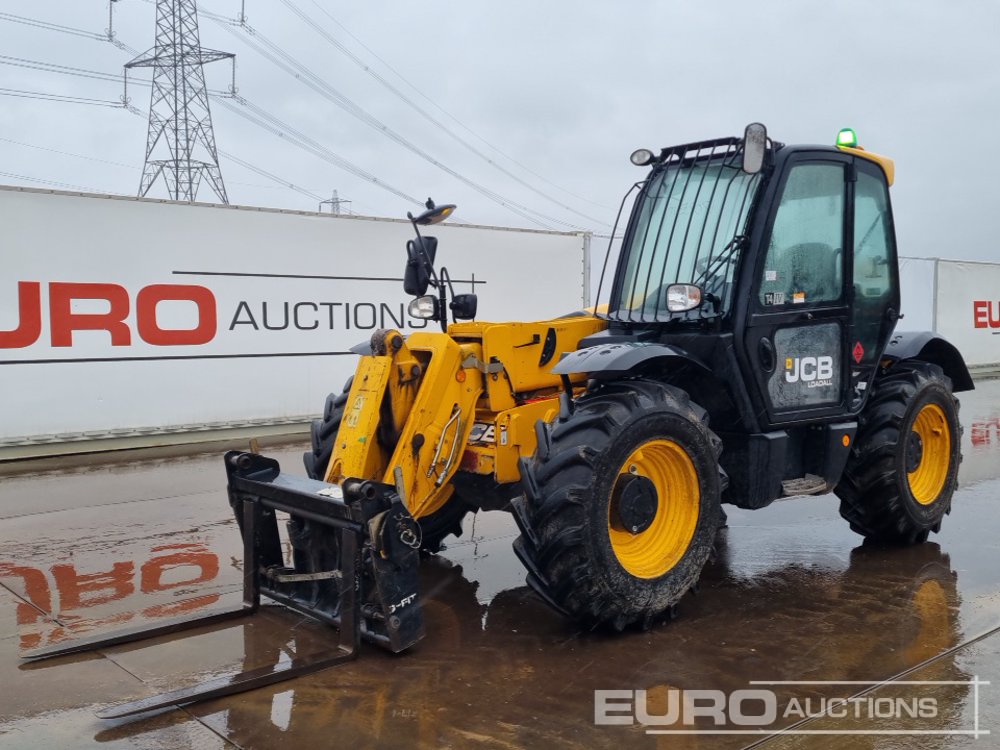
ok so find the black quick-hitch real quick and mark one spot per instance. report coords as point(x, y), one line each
point(354, 565)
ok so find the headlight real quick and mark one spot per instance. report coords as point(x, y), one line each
point(641, 157)
point(682, 297)
point(425, 307)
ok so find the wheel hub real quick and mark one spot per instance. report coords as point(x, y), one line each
point(914, 452)
point(635, 502)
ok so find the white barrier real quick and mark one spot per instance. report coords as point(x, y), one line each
point(916, 285)
point(121, 316)
point(967, 309)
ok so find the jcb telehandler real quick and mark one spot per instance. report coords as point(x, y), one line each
point(745, 352)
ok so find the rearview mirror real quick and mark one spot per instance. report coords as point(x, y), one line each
point(417, 278)
point(464, 306)
point(754, 147)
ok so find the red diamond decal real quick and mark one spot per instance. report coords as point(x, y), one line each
point(858, 352)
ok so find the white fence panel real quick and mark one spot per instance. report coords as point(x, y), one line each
point(121, 315)
point(968, 309)
point(916, 283)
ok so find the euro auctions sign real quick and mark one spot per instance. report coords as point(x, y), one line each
point(189, 317)
point(968, 309)
point(122, 315)
point(986, 313)
point(65, 316)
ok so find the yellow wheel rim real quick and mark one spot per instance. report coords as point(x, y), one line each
point(928, 478)
point(655, 550)
point(930, 605)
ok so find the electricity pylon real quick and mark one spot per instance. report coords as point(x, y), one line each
point(181, 143)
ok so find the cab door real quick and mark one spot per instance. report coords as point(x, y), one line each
point(874, 279)
point(798, 319)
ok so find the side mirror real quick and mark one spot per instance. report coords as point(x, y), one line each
point(416, 278)
point(464, 306)
point(754, 147)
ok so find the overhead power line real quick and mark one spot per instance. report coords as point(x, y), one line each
point(269, 175)
point(268, 122)
point(52, 26)
point(282, 183)
point(450, 116)
point(263, 119)
point(68, 153)
point(108, 36)
point(423, 112)
point(293, 67)
point(20, 62)
point(252, 167)
point(51, 183)
point(49, 97)
point(97, 75)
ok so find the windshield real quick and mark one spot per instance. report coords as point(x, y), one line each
point(683, 230)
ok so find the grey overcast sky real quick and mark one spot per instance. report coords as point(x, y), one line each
point(565, 89)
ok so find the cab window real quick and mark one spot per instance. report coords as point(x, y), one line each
point(873, 260)
point(804, 263)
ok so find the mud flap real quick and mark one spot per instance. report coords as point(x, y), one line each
point(370, 594)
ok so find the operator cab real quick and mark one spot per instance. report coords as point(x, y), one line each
point(785, 255)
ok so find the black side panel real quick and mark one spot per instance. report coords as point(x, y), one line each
point(927, 346)
point(612, 360)
point(756, 464)
point(838, 439)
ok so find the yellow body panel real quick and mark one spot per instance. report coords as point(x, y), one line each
point(513, 437)
point(413, 408)
point(887, 164)
point(519, 347)
point(441, 418)
point(357, 453)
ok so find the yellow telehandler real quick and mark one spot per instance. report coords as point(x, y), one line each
point(746, 351)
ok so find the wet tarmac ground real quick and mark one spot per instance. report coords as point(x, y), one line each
point(792, 596)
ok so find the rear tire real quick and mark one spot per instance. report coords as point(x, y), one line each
point(434, 528)
point(621, 504)
point(903, 469)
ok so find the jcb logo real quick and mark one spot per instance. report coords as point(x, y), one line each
point(809, 370)
point(64, 319)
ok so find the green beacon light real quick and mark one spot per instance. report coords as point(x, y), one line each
point(847, 138)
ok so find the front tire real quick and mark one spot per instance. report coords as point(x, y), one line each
point(621, 504)
point(903, 470)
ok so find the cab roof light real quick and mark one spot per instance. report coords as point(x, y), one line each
point(847, 138)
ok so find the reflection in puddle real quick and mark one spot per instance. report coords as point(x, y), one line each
point(60, 595)
point(888, 611)
point(985, 432)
